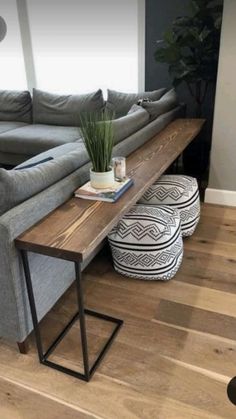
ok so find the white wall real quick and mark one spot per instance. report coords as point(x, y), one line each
point(223, 155)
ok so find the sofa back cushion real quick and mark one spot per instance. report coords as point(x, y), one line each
point(123, 127)
point(167, 102)
point(55, 109)
point(17, 186)
point(120, 103)
point(15, 106)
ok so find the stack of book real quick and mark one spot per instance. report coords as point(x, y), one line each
point(108, 195)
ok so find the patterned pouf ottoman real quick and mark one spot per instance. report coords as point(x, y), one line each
point(147, 243)
point(179, 192)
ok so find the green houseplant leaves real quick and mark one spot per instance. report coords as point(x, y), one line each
point(98, 138)
point(191, 49)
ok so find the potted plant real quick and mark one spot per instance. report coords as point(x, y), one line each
point(191, 50)
point(98, 137)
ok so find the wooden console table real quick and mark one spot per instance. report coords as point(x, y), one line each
point(74, 230)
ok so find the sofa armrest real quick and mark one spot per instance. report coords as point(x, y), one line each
point(23, 216)
point(15, 318)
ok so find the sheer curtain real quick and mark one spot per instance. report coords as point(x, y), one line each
point(83, 45)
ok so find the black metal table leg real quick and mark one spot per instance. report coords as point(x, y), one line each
point(32, 304)
point(80, 298)
point(80, 315)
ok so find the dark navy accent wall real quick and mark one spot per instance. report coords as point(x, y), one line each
point(159, 16)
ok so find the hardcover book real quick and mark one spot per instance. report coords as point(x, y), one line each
point(108, 195)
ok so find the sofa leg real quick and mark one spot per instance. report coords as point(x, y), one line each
point(23, 347)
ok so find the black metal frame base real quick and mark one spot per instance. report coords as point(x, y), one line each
point(80, 315)
point(96, 363)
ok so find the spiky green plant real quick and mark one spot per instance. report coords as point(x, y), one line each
point(98, 138)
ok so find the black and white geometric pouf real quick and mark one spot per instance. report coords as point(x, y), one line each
point(179, 192)
point(147, 243)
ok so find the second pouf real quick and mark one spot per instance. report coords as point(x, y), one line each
point(147, 243)
point(179, 192)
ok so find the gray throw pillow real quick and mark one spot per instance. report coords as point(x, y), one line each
point(120, 103)
point(55, 109)
point(134, 108)
point(15, 106)
point(17, 186)
point(161, 106)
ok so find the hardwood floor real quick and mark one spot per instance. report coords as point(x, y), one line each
point(173, 358)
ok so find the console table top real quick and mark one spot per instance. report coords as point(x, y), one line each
point(74, 230)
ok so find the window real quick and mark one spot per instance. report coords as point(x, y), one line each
point(12, 73)
point(80, 46)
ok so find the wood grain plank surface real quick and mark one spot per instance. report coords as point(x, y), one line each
point(75, 229)
point(19, 401)
point(196, 319)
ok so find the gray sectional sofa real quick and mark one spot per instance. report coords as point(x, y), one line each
point(52, 163)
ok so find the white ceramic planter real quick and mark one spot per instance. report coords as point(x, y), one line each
point(102, 180)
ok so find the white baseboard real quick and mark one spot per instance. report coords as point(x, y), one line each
point(220, 197)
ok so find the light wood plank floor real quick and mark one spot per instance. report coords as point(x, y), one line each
point(172, 359)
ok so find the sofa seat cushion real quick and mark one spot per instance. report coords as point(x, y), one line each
point(55, 109)
point(56, 152)
point(10, 125)
point(16, 186)
point(36, 138)
point(120, 103)
point(15, 106)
